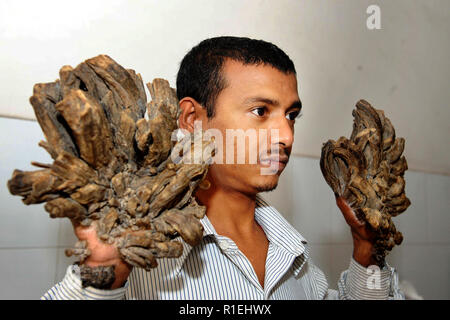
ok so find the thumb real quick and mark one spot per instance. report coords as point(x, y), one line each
point(348, 213)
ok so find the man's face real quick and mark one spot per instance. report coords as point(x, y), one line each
point(257, 99)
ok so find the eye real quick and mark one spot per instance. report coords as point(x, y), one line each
point(260, 111)
point(294, 115)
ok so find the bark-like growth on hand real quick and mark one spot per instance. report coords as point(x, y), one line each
point(367, 171)
point(112, 165)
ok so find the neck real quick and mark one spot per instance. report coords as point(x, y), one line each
point(231, 212)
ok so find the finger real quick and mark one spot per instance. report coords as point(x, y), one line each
point(85, 232)
point(80, 250)
point(132, 240)
point(187, 226)
point(132, 258)
point(172, 249)
point(147, 255)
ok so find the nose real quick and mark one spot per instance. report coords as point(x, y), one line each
point(285, 133)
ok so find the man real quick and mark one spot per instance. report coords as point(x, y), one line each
point(248, 251)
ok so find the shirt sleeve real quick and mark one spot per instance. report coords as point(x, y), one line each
point(372, 283)
point(70, 288)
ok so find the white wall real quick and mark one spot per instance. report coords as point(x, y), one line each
point(402, 68)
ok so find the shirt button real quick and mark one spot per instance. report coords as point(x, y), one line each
point(224, 245)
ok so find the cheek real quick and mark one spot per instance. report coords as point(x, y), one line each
point(235, 174)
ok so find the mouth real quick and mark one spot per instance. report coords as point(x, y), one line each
point(278, 163)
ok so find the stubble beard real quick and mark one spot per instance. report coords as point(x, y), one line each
point(267, 187)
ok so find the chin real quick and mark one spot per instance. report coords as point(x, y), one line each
point(270, 183)
point(266, 188)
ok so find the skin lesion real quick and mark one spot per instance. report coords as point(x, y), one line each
point(366, 174)
point(112, 173)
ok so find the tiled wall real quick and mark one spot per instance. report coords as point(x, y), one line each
point(32, 245)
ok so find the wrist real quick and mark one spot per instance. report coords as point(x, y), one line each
point(102, 270)
point(364, 253)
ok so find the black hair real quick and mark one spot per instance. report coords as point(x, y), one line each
point(200, 74)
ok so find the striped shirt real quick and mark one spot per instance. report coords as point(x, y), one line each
point(217, 269)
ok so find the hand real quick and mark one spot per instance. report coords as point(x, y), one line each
point(102, 254)
point(363, 236)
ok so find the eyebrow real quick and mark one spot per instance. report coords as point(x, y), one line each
point(295, 104)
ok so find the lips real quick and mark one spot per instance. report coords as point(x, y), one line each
point(280, 161)
point(283, 159)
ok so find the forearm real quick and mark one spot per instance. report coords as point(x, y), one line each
point(121, 270)
point(363, 252)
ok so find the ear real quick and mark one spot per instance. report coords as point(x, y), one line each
point(191, 111)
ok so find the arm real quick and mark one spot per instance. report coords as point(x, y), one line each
point(356, 283)
point(364, 279)
point(373, 283)
point(70, 288)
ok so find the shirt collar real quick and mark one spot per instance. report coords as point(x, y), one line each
point(278, 231)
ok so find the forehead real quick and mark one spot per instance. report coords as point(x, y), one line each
point(244, 81)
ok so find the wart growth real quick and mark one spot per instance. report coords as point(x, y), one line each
point(367, 170)
point(112, 166)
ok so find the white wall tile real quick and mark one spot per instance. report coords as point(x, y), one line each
point(62, 262)
point(395, 257)
point(21, 225)
point(340, 230)
point(321, 257)
point(66, 235)
point(427, 267)
point(26, 273)
point(340, 261)
point(313, 201)
point(413, 223)
point(438, 207)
